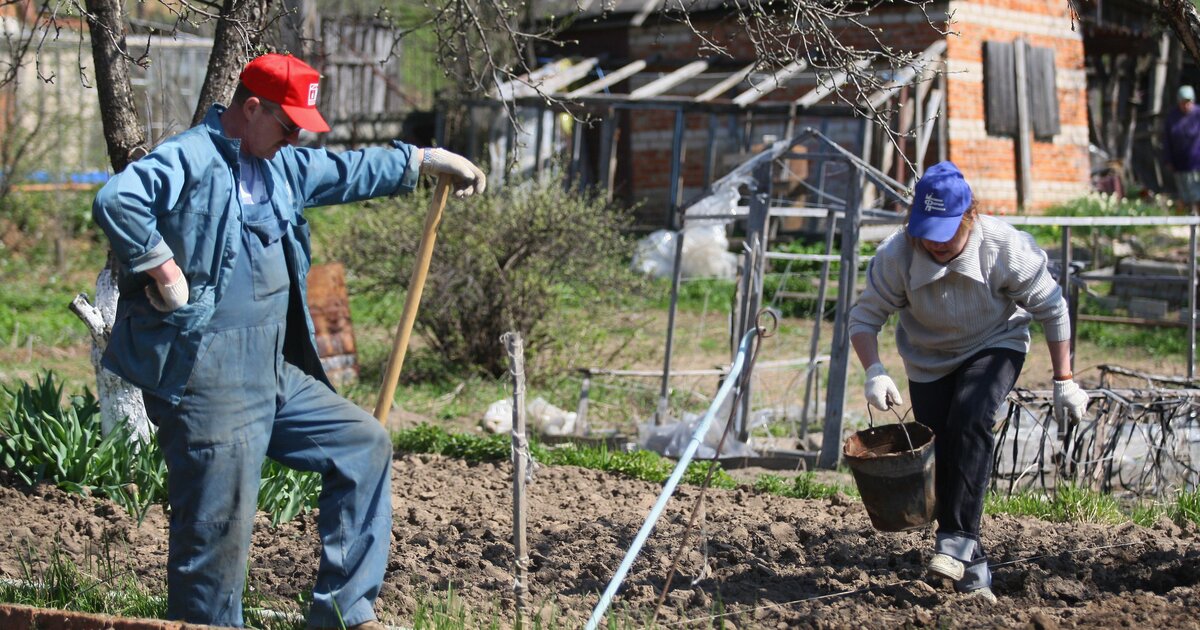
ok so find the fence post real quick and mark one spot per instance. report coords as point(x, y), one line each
point(839, 364)
point(515, 347)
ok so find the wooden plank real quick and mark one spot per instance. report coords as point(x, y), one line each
point(906, 74)
point(1024, 129)
point(1043, 92)
point(772, 82)
point(1000, 101)
point(725, 84)
point(610, 79)
point(925, 132)
point(662, 84)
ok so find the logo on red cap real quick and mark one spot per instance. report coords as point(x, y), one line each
point(290, 83)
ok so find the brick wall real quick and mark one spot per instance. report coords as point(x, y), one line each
point(1060, 165)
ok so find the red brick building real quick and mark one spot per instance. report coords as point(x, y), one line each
point(974, 96)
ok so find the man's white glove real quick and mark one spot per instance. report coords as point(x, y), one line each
point(880, 389)
point(468, 178)
point(1070, 398)
point(168, 297)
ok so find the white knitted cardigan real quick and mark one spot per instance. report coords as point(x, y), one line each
point(984, 298)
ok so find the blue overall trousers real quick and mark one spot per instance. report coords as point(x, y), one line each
point(243, 403)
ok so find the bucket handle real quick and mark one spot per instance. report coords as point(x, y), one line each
point(899, 420)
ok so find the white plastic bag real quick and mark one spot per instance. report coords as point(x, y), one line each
point(671, 438)
point(541, 416)
point(655, 254)
point(705, 253)
point(550, 420)
point(498, 417)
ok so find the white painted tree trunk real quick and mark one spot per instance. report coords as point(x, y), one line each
point(120, 402)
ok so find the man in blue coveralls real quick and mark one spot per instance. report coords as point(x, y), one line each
point(212, 324)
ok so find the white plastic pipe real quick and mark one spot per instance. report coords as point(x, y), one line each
point(701, 429)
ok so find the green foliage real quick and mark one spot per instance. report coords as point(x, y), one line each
point(803, 278)
point(507, 261)
point(285, 493)
point(40, 440)
point(1070, 504)
point(638, 464)
point(43, 441)
point(1187, 506)
point(803, 486)
point(48, 256)
point(100, 587)
point(696, 295)
point(1159, 342)
point(1097, 205)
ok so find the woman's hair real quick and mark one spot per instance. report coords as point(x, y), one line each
point(965, 225)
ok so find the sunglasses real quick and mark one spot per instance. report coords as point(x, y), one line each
point(288, 128)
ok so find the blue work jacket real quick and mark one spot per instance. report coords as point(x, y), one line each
point(181, 201)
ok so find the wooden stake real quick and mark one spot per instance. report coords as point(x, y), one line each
point(413, 300)
point(515, 347)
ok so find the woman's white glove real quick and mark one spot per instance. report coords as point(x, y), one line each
point(1070, 398)
point(168, 297)
point(468, 178)
point(880, 389)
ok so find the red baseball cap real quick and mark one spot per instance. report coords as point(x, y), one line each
point(291, 83)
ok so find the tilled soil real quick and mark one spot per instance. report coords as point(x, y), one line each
point(763, 560)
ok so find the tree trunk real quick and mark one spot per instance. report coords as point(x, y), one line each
point(119, 401)
point(1182, 16)
point(238, 33)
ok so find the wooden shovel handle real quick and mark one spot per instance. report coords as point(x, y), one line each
point(415, 286)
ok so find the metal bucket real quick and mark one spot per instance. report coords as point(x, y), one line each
point(893, 469)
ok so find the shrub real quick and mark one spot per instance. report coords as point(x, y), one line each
point(507, 260)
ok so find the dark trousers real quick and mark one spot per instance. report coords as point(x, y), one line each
point(959, 408)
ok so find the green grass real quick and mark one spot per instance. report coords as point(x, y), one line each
point(100, 587)
point(803, 486)
point(643, 465)
point(54, 256)
point(1069, 504)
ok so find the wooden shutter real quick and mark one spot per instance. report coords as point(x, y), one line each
point(1043, 94)
point(999, 90)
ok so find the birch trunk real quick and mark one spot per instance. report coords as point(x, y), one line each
point(119, 401)
point(239, 31)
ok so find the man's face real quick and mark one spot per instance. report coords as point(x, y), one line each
point(268, 129)
point(1186, 105)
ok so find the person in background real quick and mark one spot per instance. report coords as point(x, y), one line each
point(212, 323)
point(965, 286)
point(1181, 145)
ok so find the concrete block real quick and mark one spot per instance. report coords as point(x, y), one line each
point(1148, 308)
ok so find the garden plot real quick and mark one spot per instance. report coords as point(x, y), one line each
point(766, 561)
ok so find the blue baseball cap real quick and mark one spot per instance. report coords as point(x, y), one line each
point(1186, 93)
point(939, 201)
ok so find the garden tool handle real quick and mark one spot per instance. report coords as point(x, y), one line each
point(415, 286)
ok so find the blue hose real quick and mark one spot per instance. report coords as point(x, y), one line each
point(651, 519)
